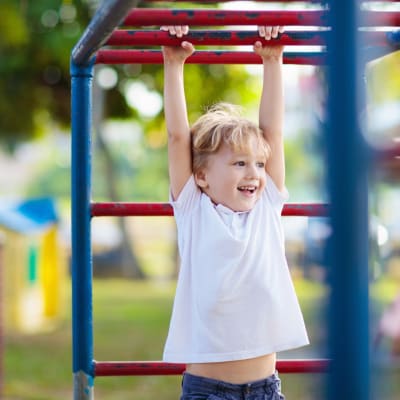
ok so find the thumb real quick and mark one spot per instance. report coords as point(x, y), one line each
point(257, 46)
point(187, 46)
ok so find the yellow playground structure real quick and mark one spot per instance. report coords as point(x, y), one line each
point(33, 266)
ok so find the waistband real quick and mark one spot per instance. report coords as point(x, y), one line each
point(213, 386)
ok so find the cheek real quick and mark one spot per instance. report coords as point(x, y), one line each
point(264, 182)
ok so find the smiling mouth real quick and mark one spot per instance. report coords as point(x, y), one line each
point(247, 189)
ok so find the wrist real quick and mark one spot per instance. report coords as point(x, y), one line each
point(272, 58)
point(174, 63)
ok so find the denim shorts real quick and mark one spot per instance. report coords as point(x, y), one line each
point(199, 388)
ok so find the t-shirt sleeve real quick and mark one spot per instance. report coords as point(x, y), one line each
point(187, 198)
point(276, 197)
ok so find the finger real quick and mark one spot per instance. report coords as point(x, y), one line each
point(185, 29)
point(178, 30)
point(261, 31)
point(281, 29)
point(187, 46)
point(268, 32)
point(275, 32)
point(168, 28)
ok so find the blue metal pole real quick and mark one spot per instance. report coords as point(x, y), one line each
point(106, 19)
point(109, 15)
point(347, 187)
point(82, 315)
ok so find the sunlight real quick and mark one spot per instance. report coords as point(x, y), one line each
point(147, 103)
point(107, 78)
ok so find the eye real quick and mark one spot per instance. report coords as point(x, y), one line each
point(261, 164)
point(240, 163)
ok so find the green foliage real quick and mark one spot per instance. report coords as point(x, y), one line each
point(38, 37)
point(142, 177)
point(54, 181)
point(12, 29)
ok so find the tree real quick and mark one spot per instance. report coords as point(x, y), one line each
point(37, 38)
point(35, 64)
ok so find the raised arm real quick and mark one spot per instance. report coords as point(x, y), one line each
point(271, 110)
point(179, 146)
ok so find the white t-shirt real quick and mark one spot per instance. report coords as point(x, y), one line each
point(234, 298)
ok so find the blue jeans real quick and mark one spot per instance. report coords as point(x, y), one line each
point(199, 388)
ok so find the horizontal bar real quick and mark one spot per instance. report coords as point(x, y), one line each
point(233, 38)
point(141, 368)
point(120, 209)
point(266, 1)
point(387, 154)
point(204, 57)
point(108, 16)
point(212, 17)
point(225, 1)
point(232, 57)
point(209, 37)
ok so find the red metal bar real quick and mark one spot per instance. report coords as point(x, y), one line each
point(209, 37)
point(387, 161)
point(120, 209)
point(264, 1)
point(380, 18)
point(387, 153)
point(230, 38)
point(225, 1)
point(204, 57)
point(212, 17)
point(141, 368)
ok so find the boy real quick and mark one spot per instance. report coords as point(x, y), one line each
point(235, 305)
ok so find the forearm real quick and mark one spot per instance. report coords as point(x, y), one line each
point(272, 103)
point(271, 110)
point(174, 100)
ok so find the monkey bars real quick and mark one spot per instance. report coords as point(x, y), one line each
point(207, 57)
point(118, 368)
point(106, 19)
point(347, 164)
point(165, 209)
point(379, 43)
point(211, 17)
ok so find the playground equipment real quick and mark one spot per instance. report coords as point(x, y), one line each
point(34, 266)
point(347, 49)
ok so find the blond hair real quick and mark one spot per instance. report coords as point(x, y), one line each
point(223, 124)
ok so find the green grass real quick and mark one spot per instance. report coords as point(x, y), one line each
point(130, 323)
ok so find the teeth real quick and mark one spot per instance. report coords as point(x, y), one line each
point(250, 188)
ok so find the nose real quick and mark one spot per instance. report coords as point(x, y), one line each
point(253, 171)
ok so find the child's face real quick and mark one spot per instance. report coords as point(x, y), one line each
point(234, 179)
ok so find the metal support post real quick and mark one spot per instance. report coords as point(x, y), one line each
point(347, 188)
point(82, 321)
point(106, 19)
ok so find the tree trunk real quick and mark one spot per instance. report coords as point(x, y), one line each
point(129, 266)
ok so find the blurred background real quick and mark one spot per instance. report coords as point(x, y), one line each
point(135, 259)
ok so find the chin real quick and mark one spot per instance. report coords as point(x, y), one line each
point(244, 209)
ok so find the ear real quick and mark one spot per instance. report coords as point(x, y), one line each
point(201, 179)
